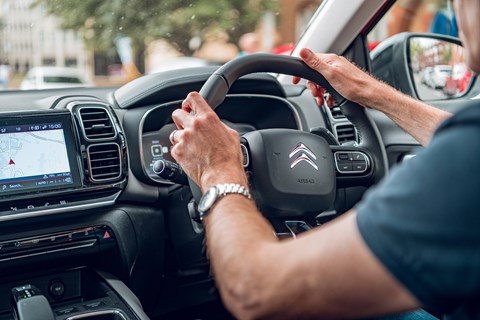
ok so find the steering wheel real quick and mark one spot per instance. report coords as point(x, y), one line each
point(294, 172)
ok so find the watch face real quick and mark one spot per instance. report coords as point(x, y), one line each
point(207, 200)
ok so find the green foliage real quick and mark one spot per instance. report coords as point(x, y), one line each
point(145, 20)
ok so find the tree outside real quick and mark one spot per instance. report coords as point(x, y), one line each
point(184, 24)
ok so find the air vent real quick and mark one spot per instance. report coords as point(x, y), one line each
point(346, 133)
point(337, 113)
point(104, 161)
point(97, 124)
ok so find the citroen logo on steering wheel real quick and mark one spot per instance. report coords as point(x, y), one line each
point(302, 153)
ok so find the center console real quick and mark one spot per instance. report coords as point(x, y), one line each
point(73, 294)
point(61, 172)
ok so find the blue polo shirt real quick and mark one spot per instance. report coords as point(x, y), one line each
point(423, 221)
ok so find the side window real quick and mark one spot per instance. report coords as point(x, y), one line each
point(438, 68)
point(436, 16)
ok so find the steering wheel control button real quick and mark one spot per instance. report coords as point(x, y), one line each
point(245, 156)
point(345, 167)
point(353, 162)
point(342, 156)
point(357, 156)
point(359, 167)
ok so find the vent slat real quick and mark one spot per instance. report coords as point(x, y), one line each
point(105, 161)
point(97, 124)
point(346, 133)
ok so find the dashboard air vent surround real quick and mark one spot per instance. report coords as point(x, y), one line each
point(346, 133)
point(104, 162)
point(337, 113)
point(97, 123)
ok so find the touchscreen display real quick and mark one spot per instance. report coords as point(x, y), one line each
point(33, 156)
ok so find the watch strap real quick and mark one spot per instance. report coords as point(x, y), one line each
point(221, 190)
point(235, 188)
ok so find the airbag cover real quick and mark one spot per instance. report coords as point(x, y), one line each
point(292, 172)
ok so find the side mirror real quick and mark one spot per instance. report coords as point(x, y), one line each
point(425, 66)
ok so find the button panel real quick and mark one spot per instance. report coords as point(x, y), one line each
point(351, 162)
point(50, 243)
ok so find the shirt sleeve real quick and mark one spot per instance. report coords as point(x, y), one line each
point(423, 221)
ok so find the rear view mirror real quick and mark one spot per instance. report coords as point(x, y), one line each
point(438, 68)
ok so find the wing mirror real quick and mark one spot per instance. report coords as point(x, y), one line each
point(425, 66)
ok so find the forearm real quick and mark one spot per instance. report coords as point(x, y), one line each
point(415, 117)
point(239, 242)
point(314, 276)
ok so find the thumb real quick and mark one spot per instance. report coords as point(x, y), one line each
point(311, 59)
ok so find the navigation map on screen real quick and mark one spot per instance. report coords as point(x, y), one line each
point(33, 156)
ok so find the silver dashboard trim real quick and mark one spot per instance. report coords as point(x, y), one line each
point(45, 212)
point(93, 314)
point(94, 104)
point(23, 256)
point(89, 161)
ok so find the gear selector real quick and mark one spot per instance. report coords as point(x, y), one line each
point(28, 303)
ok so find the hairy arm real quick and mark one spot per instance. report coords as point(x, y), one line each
point(415, 117)
point(326, 273)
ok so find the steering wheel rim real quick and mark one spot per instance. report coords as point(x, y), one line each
point(217, 86)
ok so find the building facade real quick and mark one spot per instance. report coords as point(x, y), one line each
point(29, 37)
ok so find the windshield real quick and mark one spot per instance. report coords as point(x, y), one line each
point(111, 42)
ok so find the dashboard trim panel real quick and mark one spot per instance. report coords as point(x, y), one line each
point(51, 211)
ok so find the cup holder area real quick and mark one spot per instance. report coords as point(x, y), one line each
point(100, 315)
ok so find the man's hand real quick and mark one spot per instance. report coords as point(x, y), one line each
point(415, 117)
point(205, 147)
point(350, 81)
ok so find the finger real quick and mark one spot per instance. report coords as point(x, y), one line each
point(182, 118)
point(330, 101)
point(321, 91)
point(313, 88)
point(195, 103)
point(296, 80)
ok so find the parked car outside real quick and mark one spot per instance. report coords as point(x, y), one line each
point(427, 76)
point(53, 77)
point(439, 76)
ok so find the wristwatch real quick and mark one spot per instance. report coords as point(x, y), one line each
point(220, 190)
